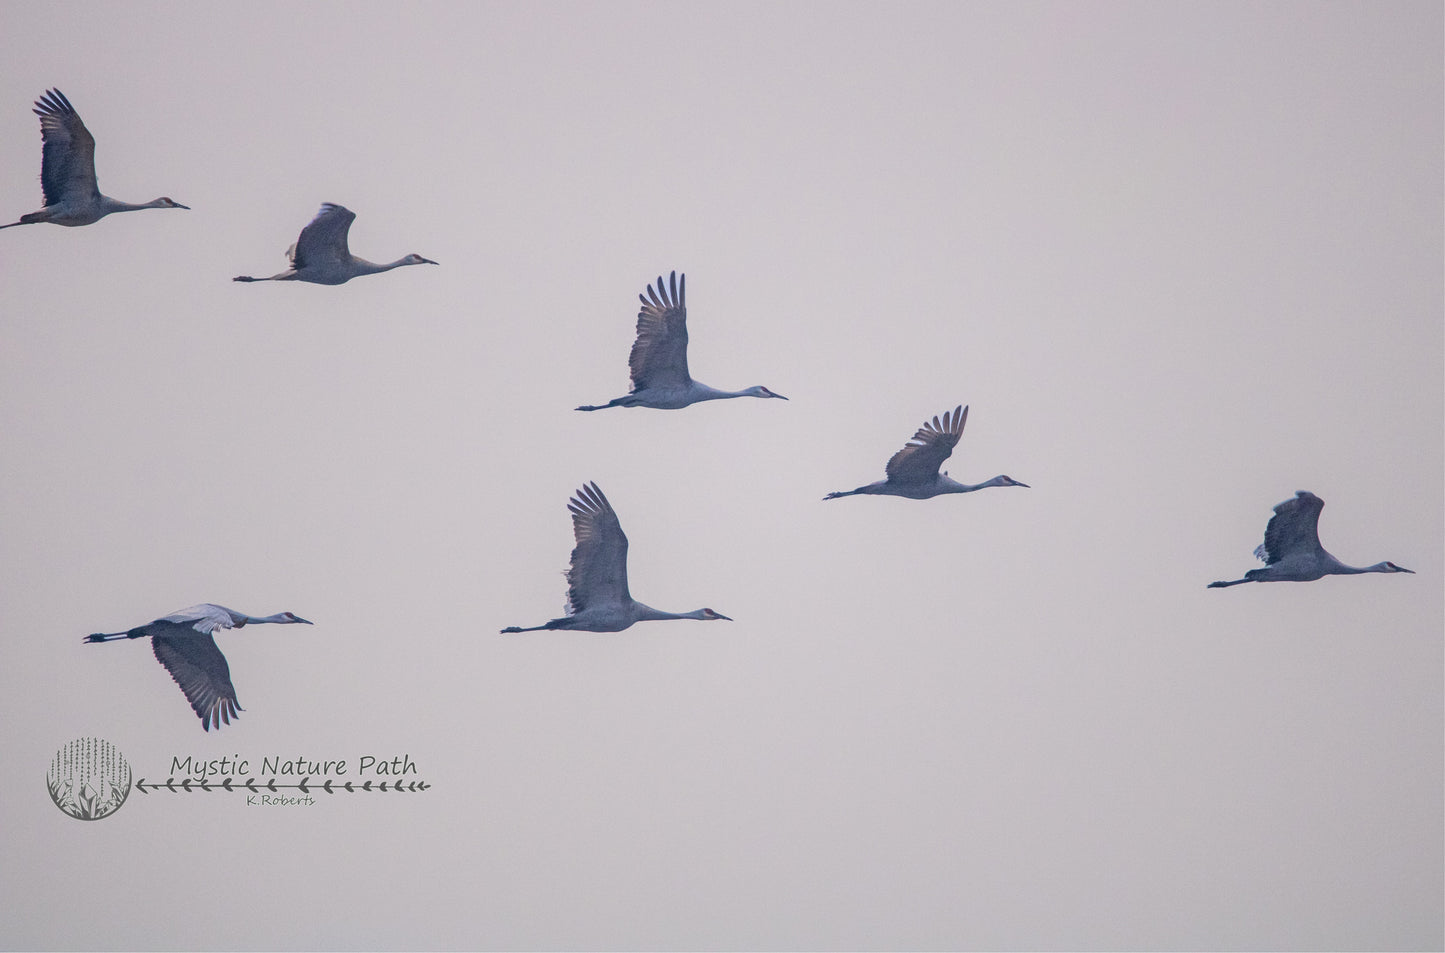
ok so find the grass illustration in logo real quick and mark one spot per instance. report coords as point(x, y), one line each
point(88, 779)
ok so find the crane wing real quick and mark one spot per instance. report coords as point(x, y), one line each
point(659, 355)
point(67, 162)
point(920, 458)
point(205, 617)
point(1293, 528)
point(324, 238)
point(200, 669)
point(598, 574)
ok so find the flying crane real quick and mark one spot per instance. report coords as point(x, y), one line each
point(659, 357)
point(184, 642)
point(597, 596)
point(913, 471)
point(321, 255)
point(1291, 550)
point(67, 170)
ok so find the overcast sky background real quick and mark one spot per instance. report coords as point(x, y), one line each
point(1181, 260)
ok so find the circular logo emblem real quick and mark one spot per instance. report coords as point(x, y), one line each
point(88, 779)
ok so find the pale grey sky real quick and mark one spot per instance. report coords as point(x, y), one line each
point(1181, 260)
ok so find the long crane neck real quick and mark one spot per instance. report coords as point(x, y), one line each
point(646, 613)
point(703, 392)
point(281, 618)
point(950, 485)
point(1340, 569)
point(360, 266)
point(116, 205)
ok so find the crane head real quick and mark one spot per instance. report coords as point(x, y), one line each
point(417, 260)
point(709, 615)
point(1010, 481)
point(1391, 567)
point(761, 391)
point(166, 202)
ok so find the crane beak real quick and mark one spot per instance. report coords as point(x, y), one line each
point(429, 261)
point(1024, 485)
point(729, 618)
point(303, 621)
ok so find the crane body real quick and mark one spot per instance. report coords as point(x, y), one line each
point(184, 642)
point(67, 171)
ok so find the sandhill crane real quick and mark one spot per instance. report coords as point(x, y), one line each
point(597, 596)
point(67, 170)
point(1291, 549)
point(913, 471)
point(321, 255)
point(659, 357)
point(184, 642)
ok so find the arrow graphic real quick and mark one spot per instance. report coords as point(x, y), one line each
point(305, 786)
